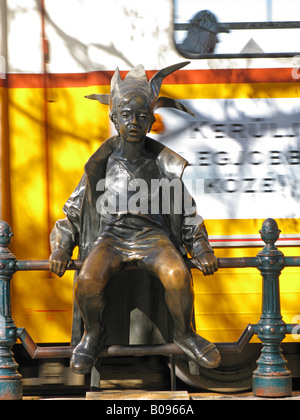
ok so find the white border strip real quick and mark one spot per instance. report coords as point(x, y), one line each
point(224, 241)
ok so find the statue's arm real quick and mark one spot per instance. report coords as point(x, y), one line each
point(195, 238)
point(64, 236)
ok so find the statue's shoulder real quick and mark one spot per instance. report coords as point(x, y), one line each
point(102, 153)
point(171, 162)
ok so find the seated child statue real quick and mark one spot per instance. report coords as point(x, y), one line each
point(117, 215)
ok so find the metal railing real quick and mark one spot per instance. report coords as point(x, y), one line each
point(271, 378)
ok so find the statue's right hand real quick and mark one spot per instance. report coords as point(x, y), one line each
point(59, 261)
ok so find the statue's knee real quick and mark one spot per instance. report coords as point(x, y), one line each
point(176, 277)
point(87, 284)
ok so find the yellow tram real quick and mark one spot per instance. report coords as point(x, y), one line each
point(243, 143)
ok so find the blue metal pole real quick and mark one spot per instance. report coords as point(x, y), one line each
point(10, 379)
point(271, 378)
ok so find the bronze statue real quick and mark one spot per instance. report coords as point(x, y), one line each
point(126, 210)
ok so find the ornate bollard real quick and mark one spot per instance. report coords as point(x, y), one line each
point(10, 379)
point(271, 378)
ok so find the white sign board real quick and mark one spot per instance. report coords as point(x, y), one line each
point(244, 153)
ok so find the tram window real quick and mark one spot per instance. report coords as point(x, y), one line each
point(216, 28)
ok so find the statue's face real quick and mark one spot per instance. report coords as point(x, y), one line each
point(133, 119)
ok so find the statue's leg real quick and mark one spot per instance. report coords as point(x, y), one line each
point(100, 265)
point(167, 264)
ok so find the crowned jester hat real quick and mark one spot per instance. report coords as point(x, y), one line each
point(136, 81)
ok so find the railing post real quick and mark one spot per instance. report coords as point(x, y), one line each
point(10, 379)
point(271, 378)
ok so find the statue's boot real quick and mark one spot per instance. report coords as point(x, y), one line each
point(86, 353)
point(200, 350)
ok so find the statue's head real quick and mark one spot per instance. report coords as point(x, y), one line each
point(136, 84)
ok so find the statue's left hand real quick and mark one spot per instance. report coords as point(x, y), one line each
point(59, 262)
point(207, 263)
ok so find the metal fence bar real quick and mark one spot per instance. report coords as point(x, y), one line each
point(44, 265)
point(244, 262)
point(246, 25)
point(54, 352)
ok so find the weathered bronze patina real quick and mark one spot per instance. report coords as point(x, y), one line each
point(125, 210)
